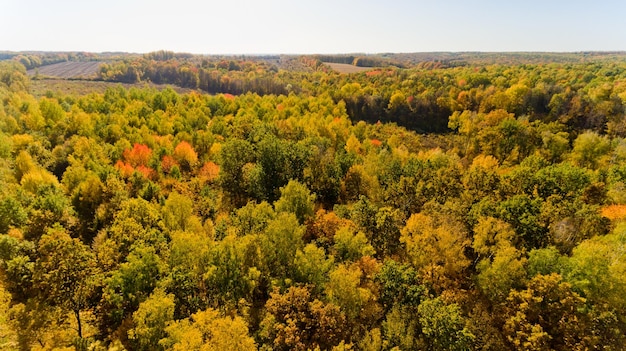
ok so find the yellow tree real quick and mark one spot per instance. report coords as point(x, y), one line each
point(548, 315)
point(435, 245)
point(66, 273)
point(150, 321)
point(208, 331)
point(296, 321)
point(185, 155)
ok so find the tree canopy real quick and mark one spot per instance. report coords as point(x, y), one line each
point(279, 205)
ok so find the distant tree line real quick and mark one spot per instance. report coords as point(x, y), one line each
point(359, 61)
point(31, 61)
point(223, 76)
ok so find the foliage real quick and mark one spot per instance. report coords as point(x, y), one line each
point(295, 321)
point(297, 199)
point(150, 321)
point(439, 202)
point(208, 331)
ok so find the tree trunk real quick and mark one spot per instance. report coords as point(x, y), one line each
point(80, 327)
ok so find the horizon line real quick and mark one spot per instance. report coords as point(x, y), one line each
point(323, 53)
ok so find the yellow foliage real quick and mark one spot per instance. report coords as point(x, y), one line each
point(491, 234)
point(164, 141)
point(344, 290)
point(486, 162)
point(23, 164)
point(435, 245)
point(401, 152)
point(353, 145)
point(32, 180)
point(15, 233)
point(208, 331)
point(21, 141)
point(614, 212)
point(397, 100)
point(8, 339)
point(215, 149)
point(185, 154)
point(40, 327)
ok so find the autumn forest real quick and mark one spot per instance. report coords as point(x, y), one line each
point(441, 201)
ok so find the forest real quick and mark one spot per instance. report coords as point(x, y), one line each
point(433, 202)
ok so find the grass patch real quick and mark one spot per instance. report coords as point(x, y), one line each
point(346, 68)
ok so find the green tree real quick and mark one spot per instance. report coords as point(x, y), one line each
point(189, 257)
point(253, 218)
point(350, 244)
point(279, 244)
point(400, 329)
point(281, 161)
point(524, 215)
point(66, 273)
point(595, 269)
point(497, 276)
point(12, 214)
point(544, 261)
point(137, 223)
point(150, 321)
point(230, 275)
point(296, 198)
point(400, 285)
point(50, 206)
point(323, 172)
point(128, 286)
point(312, 266)
point(51, 111)
point(386, 237)
point(177, 211)
point(344, 290)
point(590, 150)
point(443, 326)
point(234, 154)
point(17, 267)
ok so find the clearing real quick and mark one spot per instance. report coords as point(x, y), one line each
point(68, 70)
point(346, 68)
point(41, 87)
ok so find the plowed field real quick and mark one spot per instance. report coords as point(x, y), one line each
point(67, 70)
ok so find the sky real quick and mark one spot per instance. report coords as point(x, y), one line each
point(307, 27)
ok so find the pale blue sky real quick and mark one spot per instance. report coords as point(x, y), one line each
point(322, 26)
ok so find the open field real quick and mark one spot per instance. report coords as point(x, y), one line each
point(83, 87)
point(68, 69)
point(346, 68)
